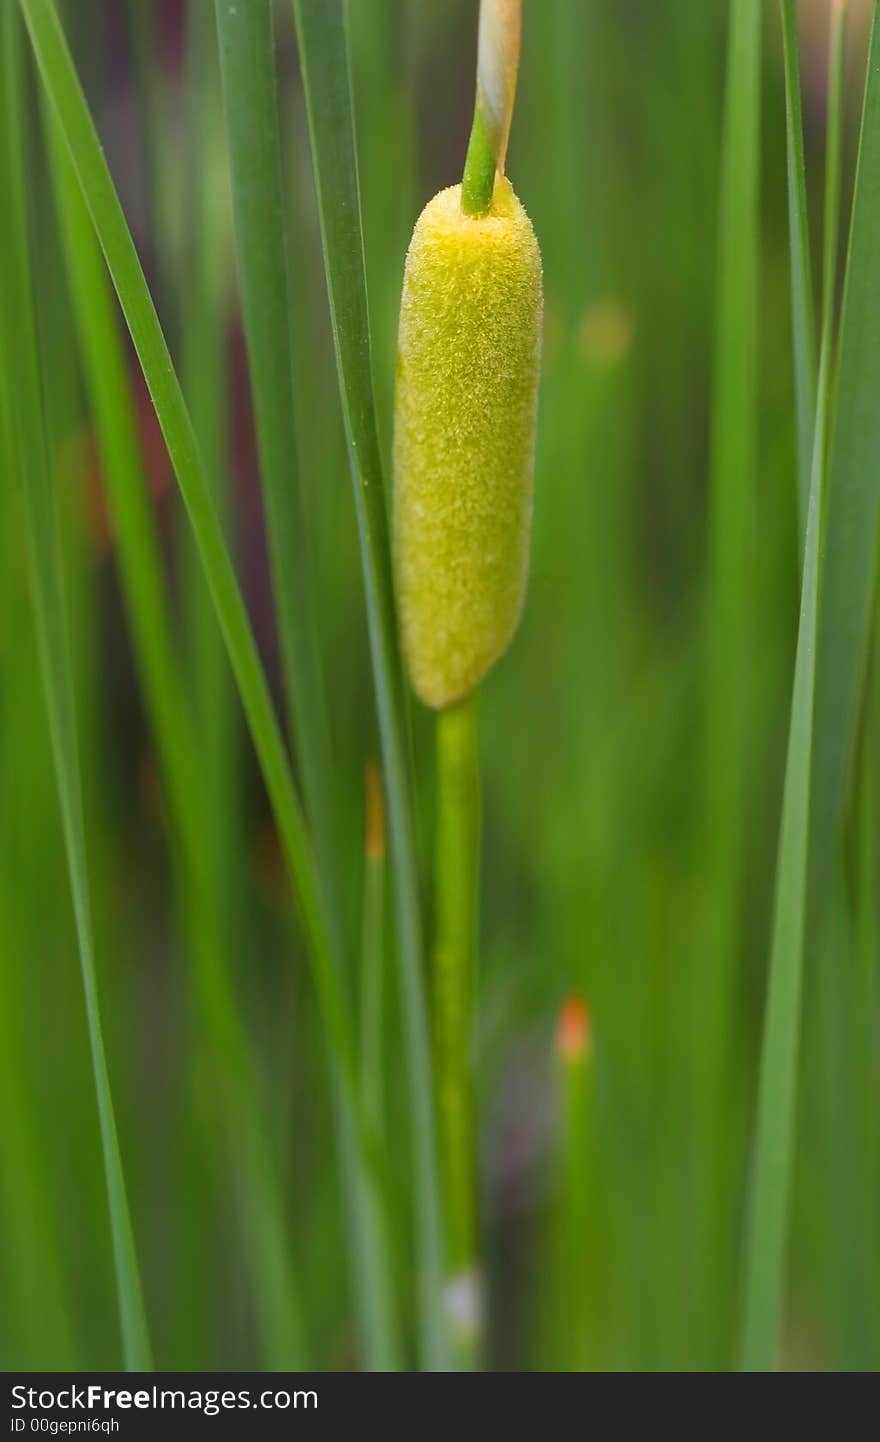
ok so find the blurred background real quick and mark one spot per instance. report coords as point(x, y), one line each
point(597, 872)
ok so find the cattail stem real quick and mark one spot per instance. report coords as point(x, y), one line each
point(478, 180)
point(455, 968)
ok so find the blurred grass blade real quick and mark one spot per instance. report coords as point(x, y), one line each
point(171, 720)
point(831, 212)
point(374, 1277)
point(37, 1298)
point(268, 1235)
point(323, 47)
point(133, 526)
point(853, 501)
point(142, 34)
point(802, 314)
point(19, 343)
point(68, 102)
point(730, 628)
point(205, 366)
point(777, 1109)
point(248, 68)
point(774, 1146)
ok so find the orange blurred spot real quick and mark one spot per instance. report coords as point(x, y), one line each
point(574, 1033)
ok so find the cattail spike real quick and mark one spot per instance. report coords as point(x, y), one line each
point(469, 347)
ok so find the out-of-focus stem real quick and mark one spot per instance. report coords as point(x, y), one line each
point(572, 1291)
point(455, 966)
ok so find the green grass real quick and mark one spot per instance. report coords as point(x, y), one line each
point(107, 216)
point(206, 215)
point(848, 564)
point(172, 720)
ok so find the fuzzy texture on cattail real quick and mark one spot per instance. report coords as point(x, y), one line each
point(464, 438)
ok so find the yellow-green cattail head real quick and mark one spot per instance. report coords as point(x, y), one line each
point(464, 438)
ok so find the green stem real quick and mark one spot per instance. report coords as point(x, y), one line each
point(478, 180)
point(455, 970)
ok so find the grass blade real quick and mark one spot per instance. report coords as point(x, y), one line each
point(41, 1312)
point(729, 635)
point(205, 374)
point(248, 68)
point(374, 1278)
point(19, 342)
point(774, 1146)
point(269, 1237)
point(323, 47)
point(803, 320)
point(853, 504)
point(142, 34)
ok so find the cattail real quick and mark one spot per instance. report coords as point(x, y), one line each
point(464, 440)
point(467, 384)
